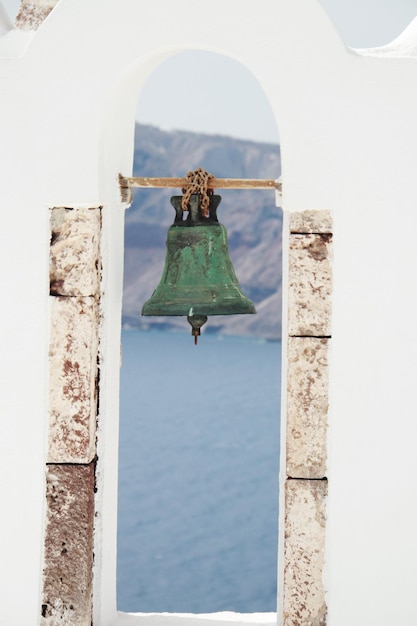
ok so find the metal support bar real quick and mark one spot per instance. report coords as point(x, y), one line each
point(126, 184)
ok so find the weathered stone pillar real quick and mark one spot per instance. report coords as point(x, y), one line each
point(309, 332)
point(73, 410)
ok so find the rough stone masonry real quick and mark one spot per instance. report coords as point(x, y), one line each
point(73, 408)
point(309, 334)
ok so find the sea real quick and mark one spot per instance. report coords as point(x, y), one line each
point(198, 473)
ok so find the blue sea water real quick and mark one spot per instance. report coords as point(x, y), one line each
point(198, 473)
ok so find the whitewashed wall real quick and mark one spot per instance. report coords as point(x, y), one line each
point(348, 129)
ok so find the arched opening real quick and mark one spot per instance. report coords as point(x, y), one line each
point(199, 427)
point(372, 23)
point(11, 9)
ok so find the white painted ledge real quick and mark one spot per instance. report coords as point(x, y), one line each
point(200, 619)
point(14, 43)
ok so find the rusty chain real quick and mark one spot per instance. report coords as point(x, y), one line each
point(197, 182)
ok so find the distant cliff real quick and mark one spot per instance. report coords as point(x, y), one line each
point(253, 222)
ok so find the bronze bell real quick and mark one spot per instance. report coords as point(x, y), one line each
point(198, 278)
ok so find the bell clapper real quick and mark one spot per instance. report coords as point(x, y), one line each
point(196, 321)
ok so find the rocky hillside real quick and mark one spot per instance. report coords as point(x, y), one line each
point(252, 220)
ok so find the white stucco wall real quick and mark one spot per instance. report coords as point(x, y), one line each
point(348, 134)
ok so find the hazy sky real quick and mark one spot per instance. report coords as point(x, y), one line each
point(232, 103)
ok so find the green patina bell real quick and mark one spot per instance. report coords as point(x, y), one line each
point(198, 278)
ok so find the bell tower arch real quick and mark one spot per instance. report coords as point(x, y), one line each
point(78, 137)
point(267, 64)
point(347, 133)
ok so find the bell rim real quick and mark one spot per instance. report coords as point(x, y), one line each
point(178, 309)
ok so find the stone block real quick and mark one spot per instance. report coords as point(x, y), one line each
point(74, 252)
point(32, 13)
point(307, 407)
point(310, 285)
point(73, 379)
point(311, 222)
point(68, 554)
point(305, 519)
